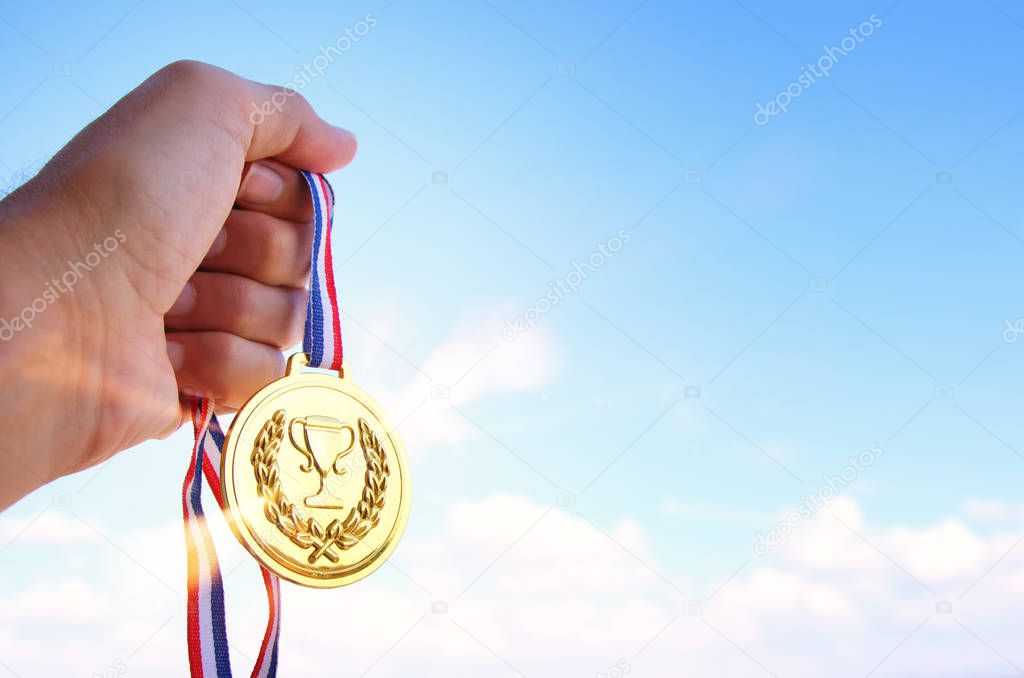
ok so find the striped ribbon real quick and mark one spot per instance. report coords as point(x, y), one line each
point(322, 338)
point(207, 631)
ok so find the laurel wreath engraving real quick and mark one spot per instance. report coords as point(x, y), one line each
point(306, 531)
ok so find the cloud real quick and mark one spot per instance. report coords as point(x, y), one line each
point(514, 575)
point(506, 584)
point(48, 527)
point(521, 582)
point(70, 600)
point(848, 592)
point(990, 511)
point(551, 593)
point(472, 364)
point(676, 508)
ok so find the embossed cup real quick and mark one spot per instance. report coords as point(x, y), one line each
point(322, 441)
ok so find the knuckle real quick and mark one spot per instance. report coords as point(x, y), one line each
point(303, 274)
point(275, 247)
point(295, 318)
point(224, 349)
point(297, 272)
point(303, 260)
point(187, 71)
point(297, 98)
point(285, 329)
point(241, 294)
point(221, 347)
point(271, 240)
point(168, 422)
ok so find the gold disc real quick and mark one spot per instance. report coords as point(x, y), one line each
point(315, 480)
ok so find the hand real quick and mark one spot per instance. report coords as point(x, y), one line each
point(163, 250)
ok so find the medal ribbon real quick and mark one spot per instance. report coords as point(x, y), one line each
point(206, 630)
point(322, 338)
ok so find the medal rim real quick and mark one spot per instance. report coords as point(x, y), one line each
point(236, 519)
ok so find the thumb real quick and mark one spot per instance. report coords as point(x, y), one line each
point(284, 126)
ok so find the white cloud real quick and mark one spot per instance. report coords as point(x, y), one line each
point(987, 510)
point(471, 364)
point(676, 508)
point(551, 593)
point(48, 527)
point(948, 551)
point(70, 600)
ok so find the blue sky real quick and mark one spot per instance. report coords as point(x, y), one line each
point(813, 280)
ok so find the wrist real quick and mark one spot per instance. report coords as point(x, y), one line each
point(41, 344)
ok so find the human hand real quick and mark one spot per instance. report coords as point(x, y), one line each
point(148, 258)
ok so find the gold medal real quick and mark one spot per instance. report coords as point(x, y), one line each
point(315, 480)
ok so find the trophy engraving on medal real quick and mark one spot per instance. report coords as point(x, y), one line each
point(324, 442)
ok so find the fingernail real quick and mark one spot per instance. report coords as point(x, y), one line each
point(219, 243)
point(185, 301)
point(261, 185)
point(176, 353)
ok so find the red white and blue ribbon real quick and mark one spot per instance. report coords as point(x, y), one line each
point(322, 338)
point(207, 630)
